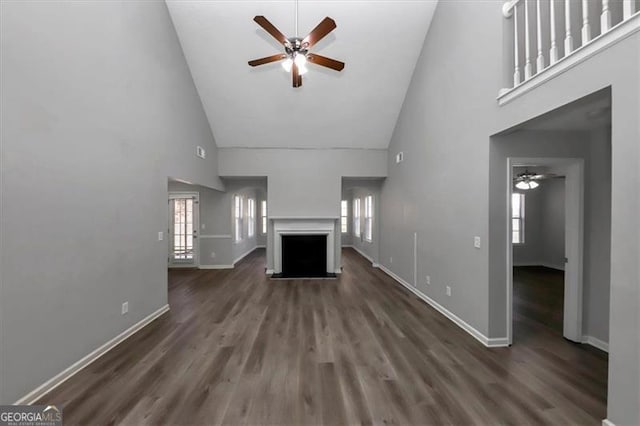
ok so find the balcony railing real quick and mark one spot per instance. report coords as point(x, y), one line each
point(548, 32)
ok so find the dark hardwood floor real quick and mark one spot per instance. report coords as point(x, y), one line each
point(237, 348)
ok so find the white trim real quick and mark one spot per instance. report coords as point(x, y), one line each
point(295, 226)
point(607, 422)
point(269, 272)
point(536, 263)
point(618, 33)
point(183, 266)
point(596, 343)
point(261, 246)
point(85, 361)
point(215, 267)
point(488, 342)
point(216, 236)
point(242, 256)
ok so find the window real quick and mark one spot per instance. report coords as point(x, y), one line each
point(263, 216)
point(368, 217)
point(237, 216)
point(343, 216)
point(517, 218)
point(251, 217)
point(356, 217)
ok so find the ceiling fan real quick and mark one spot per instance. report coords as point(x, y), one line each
point(528, 180)
point(296, 50)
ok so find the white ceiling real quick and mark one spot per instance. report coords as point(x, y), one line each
point(256, 107)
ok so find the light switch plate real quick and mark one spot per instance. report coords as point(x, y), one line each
point(160, 236)
point(476, 242)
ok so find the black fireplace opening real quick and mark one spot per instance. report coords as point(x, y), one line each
point(304, 256)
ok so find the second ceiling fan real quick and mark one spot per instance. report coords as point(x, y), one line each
point(296, 50)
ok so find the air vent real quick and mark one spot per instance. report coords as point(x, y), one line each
point(200, 152)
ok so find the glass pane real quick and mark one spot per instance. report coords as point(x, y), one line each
point(515, 237)
point(515, 205)
point(515, 223)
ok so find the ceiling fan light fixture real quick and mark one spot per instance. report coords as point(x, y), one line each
point(533, 184)
point(300, 59)
point(287, 64)
point(522, 185)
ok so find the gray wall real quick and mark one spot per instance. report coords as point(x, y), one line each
point(544, 227)
point(303, 183)
point(98, 108)
point(444, 127)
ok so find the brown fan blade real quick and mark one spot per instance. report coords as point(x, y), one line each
point(318, 33)
point(297, 78)
point(325, 62)
point(268, 59)
point(270, 28)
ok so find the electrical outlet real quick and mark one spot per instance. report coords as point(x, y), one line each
point(160, 236)
point(213, 254)
point(476, 242)
point(125, 308)
point(448, 291)
point(203, 226)
point(391, 260)
point(428, 280)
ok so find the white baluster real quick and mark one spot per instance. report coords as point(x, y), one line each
point(586, 27)
point(553, 53)
point(516, 73)
point(528, 69)
point(568, 39)
point(605, 18)
point(628, 8)
point(540, 58)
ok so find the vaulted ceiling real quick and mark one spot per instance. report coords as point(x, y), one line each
point(256, 107)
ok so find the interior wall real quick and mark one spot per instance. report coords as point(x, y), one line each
point(98, 109)
point(445, 125)
point(303, 183)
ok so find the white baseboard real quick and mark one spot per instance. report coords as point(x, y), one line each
point(607, 422)
point(242, 256)
point(488, 342)
point(215, 267)
point(559, 267)
point(261, 246)
point(363, 254)
point(595, 342)
point(77, 366)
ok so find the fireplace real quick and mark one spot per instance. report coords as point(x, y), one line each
point(304, 256)
point(304, 247)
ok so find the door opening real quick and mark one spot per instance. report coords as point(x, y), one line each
point(546, 234)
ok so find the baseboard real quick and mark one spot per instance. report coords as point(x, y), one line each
point(261, 246)
point(242, 256)
point(490, 343)
point(607, 422)
point(79, 365)
point(544, 264)
point(596, 343)
point(215, 267)
point(269, 272)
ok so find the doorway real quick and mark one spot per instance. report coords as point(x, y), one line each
point(183, 229)
point(550, 251)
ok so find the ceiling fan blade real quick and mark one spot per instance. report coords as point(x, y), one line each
point(325, 62)
point(268, 59)
point(295, 74)
point(319, 32)
point(270, 28)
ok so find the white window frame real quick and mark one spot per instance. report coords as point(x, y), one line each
point(238, 216)
point(344, 216)
point(263, 216)
point(368, 218)
point(520, 217)
point(251, 217)
point(356, 217)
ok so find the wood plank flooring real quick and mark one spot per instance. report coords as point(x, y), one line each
point(237, 348)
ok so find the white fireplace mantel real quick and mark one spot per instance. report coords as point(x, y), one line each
point(303, 226)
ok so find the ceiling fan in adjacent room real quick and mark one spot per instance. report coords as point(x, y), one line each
point(296, 50)
point(529, 180)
